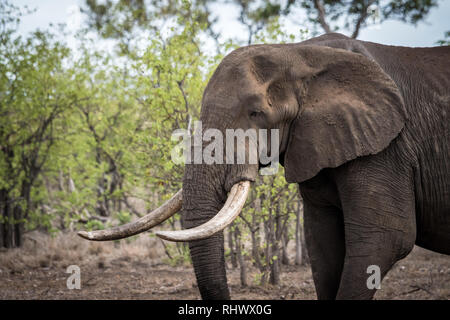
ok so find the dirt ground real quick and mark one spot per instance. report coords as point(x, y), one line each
point(138, 269)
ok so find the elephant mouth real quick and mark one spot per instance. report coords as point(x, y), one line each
point(231, 209)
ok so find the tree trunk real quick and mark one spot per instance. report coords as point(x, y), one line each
point(8, 227)
point(255, 250)
point(275, 266)
point(234, 263)
point(305, 257)
point(61, 181)
point(272, 250)
point(267, 251)
point(275, 237)
point(1, 235)
point(284, 243)
point(240, 257)
point(298, 241)
point(255, 235)
point(11, 230)
point(2, 225)
point(18, 226)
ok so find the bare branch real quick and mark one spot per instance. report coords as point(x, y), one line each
point(321, 16)
point(361, 19)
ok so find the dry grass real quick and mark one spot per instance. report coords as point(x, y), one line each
point(138, 269)
point(42, 251)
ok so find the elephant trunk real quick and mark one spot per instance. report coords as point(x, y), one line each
point(205, 189)
point(209, 265)
point(203, 197)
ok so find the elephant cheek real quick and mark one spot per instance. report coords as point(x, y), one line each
point(237, 173)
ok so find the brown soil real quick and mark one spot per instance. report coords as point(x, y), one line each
point(139, 270)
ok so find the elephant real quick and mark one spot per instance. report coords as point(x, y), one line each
point(363, 131)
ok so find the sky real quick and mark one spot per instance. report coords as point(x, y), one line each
point(425, 34)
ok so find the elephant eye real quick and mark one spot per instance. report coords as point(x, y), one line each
point(254, 114)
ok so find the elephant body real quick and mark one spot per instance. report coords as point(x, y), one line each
point(369, 150)
point(363, 129)
point(373, 209)
point(421, 151)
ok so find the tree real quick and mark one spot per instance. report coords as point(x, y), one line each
point(36, 92)
point(81, 134)
point(333, 15)
point(354, 15)
point(122, 18)
point(446, 40)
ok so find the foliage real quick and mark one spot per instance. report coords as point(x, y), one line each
point(332, 15)
point(122, 19)
point(446, 40)
point(36, 94)
point(85, 134)
point(176, 255)
point(94, 225)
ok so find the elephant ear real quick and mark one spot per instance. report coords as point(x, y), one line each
point(349, 108)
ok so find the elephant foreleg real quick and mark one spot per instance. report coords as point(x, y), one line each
point(379, 218)
point(370, 254)
point(324, 235)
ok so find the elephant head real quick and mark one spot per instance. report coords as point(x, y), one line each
point(330, 106)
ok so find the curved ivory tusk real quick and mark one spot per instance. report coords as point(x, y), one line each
point(231, 209)
point(164, 212)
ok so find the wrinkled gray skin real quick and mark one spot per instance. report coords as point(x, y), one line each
point(365, 134)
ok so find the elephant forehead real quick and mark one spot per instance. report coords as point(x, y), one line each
point(251, 98)
point(243, 77)
point(232, 89)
